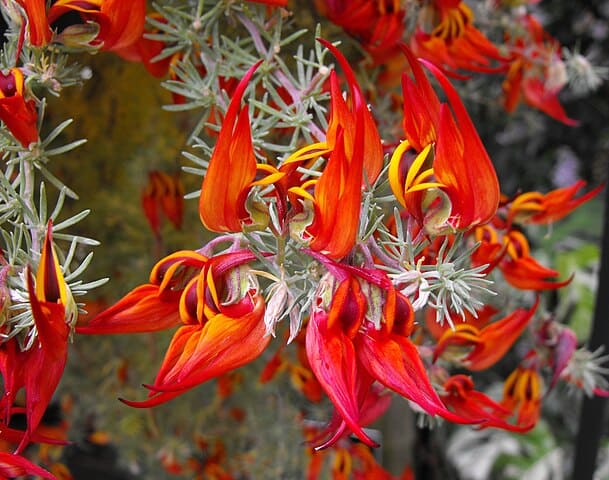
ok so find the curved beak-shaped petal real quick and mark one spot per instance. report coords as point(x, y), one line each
point(348, 119)
point(232, 168)
point(522, 392)
point(538, 208)
point(143, 309)
point(465, 401)
point(333, 359)
point(153, 306)
point(45, 361)
point(121, 24)
point(526, 273)
point(462, 163)
point(421, 106)
point(197, 353)
point(38, 25)
point(338, 202)
point(395, 362)
point(456, 187)
point(490, 343)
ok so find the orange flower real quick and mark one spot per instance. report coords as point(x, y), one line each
point(539, 208)
point(145, 50)
point(153, 306)
point(489, 344)
point(43, 364)
point(232, 170)
point(121, 24)
point(351, 344)
point(490, 250)
point(437, 330)
point(522, 392)
point(38, 26)
point(536, 72)
point(164, 192)
point(18, 114)
point(329, 206)
point(218, 334)
point(447, 37)
point(378, 25)
point(464, 400)
point(521, 270)
point(441, 173)
point(353, 119)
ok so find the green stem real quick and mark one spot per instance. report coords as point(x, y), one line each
point(26, 167)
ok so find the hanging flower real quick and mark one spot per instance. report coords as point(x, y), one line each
point(522, 271)
point(163, 193)
point(40, 368)
point(153, 306)
point(38, 26)
point(378, 25)
point(106, 24)
point(358, 333)
point(329, 206)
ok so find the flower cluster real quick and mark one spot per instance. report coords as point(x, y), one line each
point(388, 260)
point(356, 308)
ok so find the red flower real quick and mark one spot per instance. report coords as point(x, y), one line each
point(353, 148)
point(163, 192)
point(522, 392)
point(43, 364)
point(378, 25)
point(18, 114)
point(522, 271)
point(489, 344)
point(464, 400)
point(536, 72)
point(38, 26)
point(447, 37)
point(153, 306)
point(539, 208)
point(441, 173)
point(223, 329)
point(145, 50)
point(120, 23)
point(232, 170)
point(351, 344)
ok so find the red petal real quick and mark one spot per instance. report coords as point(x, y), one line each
point(232, 167)
point(332, 358)
point(46, 361)
point(198, 354)
point(15, 466)
point(141, 310)
point(395, 362)
point(498, 337)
